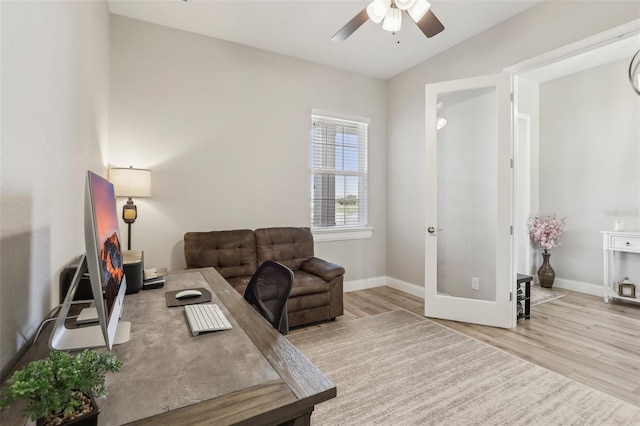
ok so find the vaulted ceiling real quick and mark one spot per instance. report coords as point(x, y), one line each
point(303, 28)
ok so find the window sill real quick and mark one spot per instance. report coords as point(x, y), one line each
point(340, 234)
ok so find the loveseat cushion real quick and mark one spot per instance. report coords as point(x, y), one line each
point(313, 301)
point(239, 283)
point(325, 270)
point(306, 283)
point(232, 253)
point(289, 246)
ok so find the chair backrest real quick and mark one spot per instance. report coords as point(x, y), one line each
point(268, 292)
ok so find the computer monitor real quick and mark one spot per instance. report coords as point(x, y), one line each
point(104, 263)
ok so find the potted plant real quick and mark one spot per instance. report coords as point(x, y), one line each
point(546, 232)
point(61, 387)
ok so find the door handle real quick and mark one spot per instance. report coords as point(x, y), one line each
point(432, 230)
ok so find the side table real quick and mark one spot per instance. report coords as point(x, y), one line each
point(615, 243)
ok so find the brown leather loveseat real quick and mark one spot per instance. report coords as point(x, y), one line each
point(317, 287)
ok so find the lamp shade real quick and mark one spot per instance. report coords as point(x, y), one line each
point(404, 4)
point(131, 182)
point(393, 20)
point(377, 10)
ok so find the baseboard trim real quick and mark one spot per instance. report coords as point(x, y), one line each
point(412, 289)
point(364, 284)
point(406, 287)
point(418, 291)
point(579, 286)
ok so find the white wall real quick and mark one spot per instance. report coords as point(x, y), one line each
point(589, 165)
point(55, 65)
point(224, 129)
point(540, 29)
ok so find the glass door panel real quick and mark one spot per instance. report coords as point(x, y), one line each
point(467, 194)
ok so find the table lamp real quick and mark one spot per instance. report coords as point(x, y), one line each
point(130, 183)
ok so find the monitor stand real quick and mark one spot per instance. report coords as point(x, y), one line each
point(90, 315)
point(65, 339)
point(87, 316)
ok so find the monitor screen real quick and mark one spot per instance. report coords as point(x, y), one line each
point(103, 260)
point(102, 241)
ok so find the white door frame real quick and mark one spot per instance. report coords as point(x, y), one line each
point(613, 35)
point(604, 38)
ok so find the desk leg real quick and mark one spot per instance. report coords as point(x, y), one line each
point(607, 274)
point(527, 300)
point(304, 420)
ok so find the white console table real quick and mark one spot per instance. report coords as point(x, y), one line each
point(612, 243)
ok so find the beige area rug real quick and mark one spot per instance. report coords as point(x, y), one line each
point(401, 369)
point(541, 295)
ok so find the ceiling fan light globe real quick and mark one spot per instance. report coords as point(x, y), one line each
point(377, 10)
point(419, 9)
point(404, 4)
point(393, 21)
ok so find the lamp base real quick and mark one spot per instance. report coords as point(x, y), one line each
point(129, 235)
point(129, 215)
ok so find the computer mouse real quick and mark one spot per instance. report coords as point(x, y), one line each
point(184, 294)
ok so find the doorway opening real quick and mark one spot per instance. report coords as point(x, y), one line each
point(577, 127)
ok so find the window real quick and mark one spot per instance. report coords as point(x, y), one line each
point(338, 171)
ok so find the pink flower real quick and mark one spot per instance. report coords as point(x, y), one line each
point(546, 231)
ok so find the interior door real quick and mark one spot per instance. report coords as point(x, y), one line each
point(469, 201)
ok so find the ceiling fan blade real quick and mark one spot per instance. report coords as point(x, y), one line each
point(430, 25)
point(351, 26)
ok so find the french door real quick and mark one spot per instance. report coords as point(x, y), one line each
point(469, 274)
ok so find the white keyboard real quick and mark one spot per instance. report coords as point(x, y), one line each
point(206, 317)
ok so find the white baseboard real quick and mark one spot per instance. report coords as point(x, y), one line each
point(418, 291)
point(579, 286)
point(364, 284)
point(412, 289)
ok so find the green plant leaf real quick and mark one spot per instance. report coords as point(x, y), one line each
point(50, 384)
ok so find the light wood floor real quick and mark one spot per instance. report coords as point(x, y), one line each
point(578, 335)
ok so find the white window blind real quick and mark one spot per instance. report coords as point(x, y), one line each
point(338, 171)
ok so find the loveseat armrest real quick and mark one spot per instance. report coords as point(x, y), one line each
point(325, 270)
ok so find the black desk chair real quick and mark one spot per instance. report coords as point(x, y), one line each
point(268, 292)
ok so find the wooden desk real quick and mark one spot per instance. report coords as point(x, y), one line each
point(248, 375)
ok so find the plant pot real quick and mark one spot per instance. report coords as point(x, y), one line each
point(88, 419)
point(546, 274)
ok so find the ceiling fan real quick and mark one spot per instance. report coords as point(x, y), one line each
point(389, 12)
